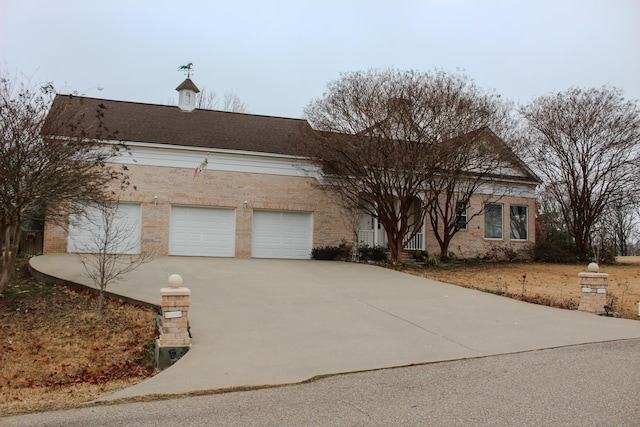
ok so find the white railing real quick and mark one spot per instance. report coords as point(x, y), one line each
point(366, 238)
point(415, 243)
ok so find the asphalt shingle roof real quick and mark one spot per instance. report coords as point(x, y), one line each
point(188, 84)
point(164, 124)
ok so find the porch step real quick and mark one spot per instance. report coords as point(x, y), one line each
point(405, 257)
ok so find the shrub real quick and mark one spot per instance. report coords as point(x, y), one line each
point(506, 252)
point(332, 253)
point(434, 260)
point(491, 254)
point(375, 253)
point(419, 256)
point(548, 251)
point(509, 253)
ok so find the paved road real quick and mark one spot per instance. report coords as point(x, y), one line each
point(583, 385)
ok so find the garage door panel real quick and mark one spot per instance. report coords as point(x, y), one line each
point(200, 231)
point(280, 234)
point(87, 231)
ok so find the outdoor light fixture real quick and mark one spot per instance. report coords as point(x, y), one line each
point(155, 200)
point(244, 205)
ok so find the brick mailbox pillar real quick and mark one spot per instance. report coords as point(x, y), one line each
point(174, 339)
point(594, 290)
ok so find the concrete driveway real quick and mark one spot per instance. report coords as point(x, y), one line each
point(266, 322)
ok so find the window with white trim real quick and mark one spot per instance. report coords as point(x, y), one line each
point(519, 224)
point(493, 221)
point(461, 218)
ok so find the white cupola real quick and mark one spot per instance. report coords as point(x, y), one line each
point(187, 97)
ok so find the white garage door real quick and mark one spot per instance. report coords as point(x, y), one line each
point(279, 234)
point(197, 231)
point(87, 232)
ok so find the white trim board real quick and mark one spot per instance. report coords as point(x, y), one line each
point(220, 161)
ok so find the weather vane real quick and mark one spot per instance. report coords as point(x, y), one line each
point(188, 68)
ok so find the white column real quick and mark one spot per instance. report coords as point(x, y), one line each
point(375, 231)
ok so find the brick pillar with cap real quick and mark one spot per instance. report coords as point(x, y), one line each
point(174, 340)
point(594, 290)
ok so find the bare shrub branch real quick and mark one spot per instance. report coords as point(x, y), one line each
point(111, 253)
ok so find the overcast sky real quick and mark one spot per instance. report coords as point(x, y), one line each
point(279, 55)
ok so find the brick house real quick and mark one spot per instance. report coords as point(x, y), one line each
point(221, 184)
point(499, 220)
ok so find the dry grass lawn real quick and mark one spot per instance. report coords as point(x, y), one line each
point(56, 354)
point(550, 284)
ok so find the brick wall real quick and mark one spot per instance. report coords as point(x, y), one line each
point(54, 240)
point(175, 186)
point(471, 242)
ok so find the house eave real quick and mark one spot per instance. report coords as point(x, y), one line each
point(205, 149)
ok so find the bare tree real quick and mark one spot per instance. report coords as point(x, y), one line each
point(233, 103)
point(379, 136)
point(586, 145)
point(623, 221)
point(41, 170)
point(466, 164)
point(209, 100)
point(472, 159)
point(110, 253)
point(550, 225)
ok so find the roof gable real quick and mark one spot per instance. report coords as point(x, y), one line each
point(518, 168)
point(188, 84)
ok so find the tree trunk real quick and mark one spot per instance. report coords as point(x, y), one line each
point(100, 304)
point(582, 247)
point(101, 288)
point(396, 251)
point(10, 253)
point(444, 246)
point(624, 248)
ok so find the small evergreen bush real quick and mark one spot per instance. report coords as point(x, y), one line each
point(420, 256)
point(332, 253)
point(375, 253)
